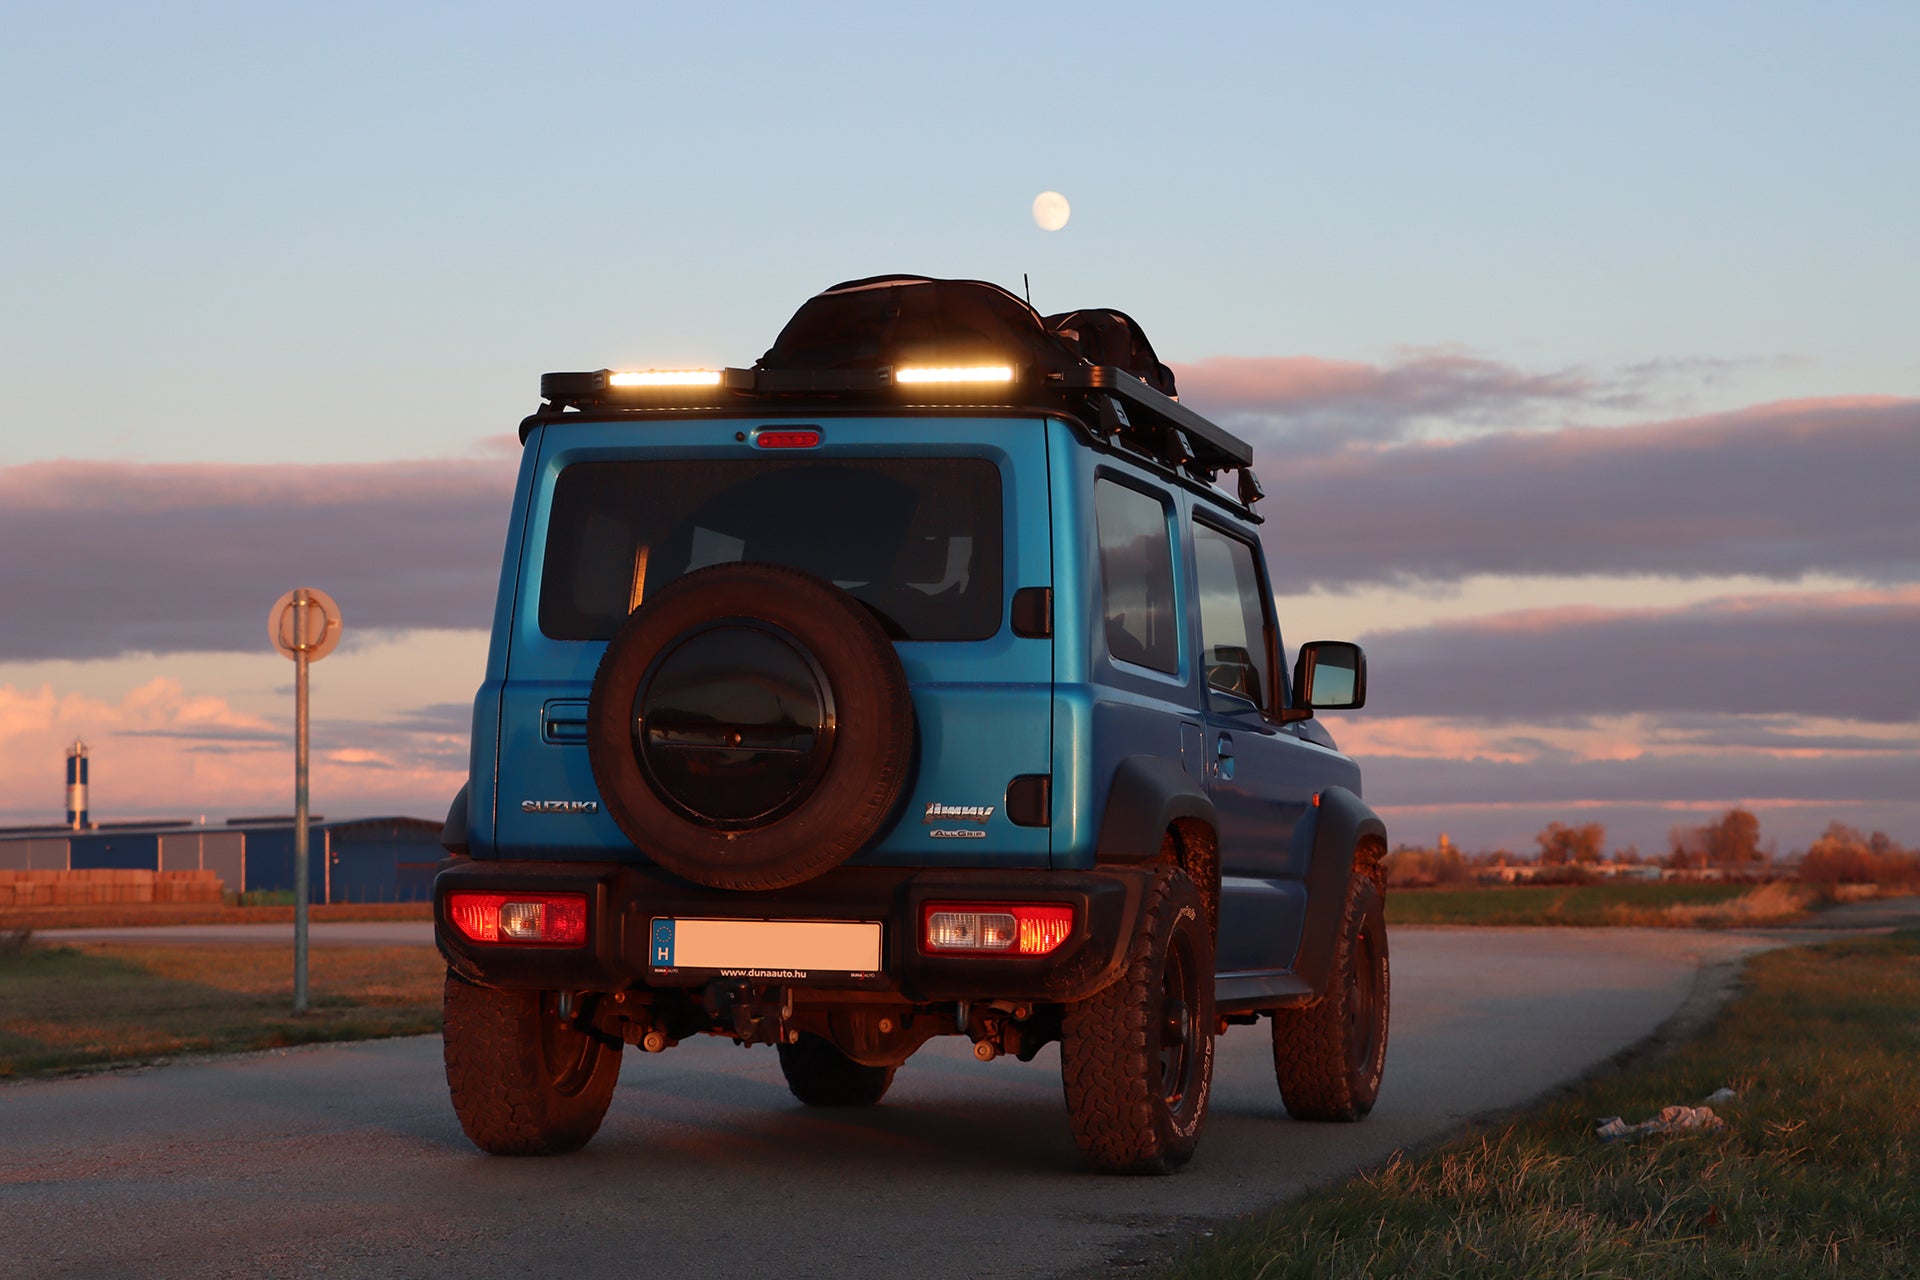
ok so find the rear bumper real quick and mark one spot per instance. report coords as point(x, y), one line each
point(623, 902)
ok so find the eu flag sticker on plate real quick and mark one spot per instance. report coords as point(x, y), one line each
point(662, 957)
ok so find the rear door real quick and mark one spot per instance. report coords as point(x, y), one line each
point(921, 520)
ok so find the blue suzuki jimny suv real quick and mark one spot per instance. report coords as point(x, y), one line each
point(920, 680)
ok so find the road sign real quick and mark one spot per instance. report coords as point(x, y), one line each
point(322, 624)
point(304, 624)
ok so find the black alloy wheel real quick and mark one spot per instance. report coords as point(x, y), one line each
point(1136, 1058)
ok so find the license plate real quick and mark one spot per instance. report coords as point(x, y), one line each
point(766, 948)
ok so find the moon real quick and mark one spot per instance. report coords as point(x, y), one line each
point(1051, 211)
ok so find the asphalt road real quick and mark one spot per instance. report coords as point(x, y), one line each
point(346, 1159)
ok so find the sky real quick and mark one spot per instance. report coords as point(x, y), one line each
point(1577, 345)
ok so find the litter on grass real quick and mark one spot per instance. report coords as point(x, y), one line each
point(1670, 1120)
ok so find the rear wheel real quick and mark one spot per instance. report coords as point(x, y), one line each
point(822, 1076)
point(524, 1082)
point(1137, 1057)
point(1329, 1057)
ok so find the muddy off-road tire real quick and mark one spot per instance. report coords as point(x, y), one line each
point(822, 1076)
point(523, 1082)
point(1137, 1057)
point(1329, 1057)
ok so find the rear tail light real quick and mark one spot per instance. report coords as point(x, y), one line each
point(556, 919)
point(986, 929)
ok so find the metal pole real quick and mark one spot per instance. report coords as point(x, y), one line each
point(300, 604)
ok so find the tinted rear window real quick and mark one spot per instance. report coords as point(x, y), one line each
point(917, 540)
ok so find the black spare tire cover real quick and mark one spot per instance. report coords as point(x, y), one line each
point(750, 726)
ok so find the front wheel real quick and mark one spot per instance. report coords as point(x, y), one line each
point(1330, 1056)
point(524, 1082)
point(1137, 1057)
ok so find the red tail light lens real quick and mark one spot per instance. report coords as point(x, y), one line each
point(994, 929)
point(552, 919)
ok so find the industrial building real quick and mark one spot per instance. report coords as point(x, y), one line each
point(361, 860)
point(388, 859)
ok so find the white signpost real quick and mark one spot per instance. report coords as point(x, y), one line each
point(305, 626)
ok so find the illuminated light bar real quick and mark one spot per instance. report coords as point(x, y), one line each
point(665, 378)
point(798, 439)
point(907, 375)
point(551, 919)
point(962, 928)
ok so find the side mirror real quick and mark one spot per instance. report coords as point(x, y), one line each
point(1329, 675)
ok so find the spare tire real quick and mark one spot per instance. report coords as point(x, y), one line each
point(750, 726)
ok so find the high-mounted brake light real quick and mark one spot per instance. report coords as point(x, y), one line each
point(909, 374)
point(555, 919)
point(665, 378)
point(972, 928)
point(806, 439)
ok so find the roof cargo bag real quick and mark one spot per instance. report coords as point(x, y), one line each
point(887, 320)
point(1104, 336)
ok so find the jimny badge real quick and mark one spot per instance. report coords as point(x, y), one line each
point(937, 812)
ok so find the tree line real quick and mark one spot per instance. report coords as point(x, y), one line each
point(1730, 845)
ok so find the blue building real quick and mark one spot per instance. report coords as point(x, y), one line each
point(359, 860)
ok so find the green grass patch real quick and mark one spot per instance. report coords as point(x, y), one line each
point(1687, 904)
point(1815, 1175)
point(76, 1008)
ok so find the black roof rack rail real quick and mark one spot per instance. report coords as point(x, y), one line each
point(1114, 403)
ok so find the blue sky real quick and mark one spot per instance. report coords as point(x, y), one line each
point(281, 240)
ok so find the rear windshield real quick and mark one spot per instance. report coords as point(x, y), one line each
point(916, 540)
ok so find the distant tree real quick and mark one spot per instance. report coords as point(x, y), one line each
point(1562, 845)
point(1734, 841)
point(1688, 848)
point(1845, 854)
point(1628, 857)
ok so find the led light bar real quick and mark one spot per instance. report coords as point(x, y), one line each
point(664, 378)
point(906, 375)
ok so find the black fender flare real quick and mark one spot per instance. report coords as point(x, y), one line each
point(453, 832)
point(1341, 821)
point(1147, 796)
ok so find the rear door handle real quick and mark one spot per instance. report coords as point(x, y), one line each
point(564, 720)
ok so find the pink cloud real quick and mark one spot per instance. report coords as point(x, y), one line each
point(1421, 383)
point(1779, 491)
point(1846, 654)
point(105, 558)
point(165, 751)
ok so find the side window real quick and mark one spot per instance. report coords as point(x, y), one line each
point(1136, 577)
point(1233, 616)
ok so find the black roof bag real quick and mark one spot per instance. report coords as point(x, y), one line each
point(1104, 336)
point(886, 320)
point(901, 319)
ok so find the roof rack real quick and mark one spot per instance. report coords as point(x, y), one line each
point(1115, 406)
point(940, 346)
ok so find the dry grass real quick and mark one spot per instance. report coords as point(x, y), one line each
point(137, 915)
point(65, 1009)
point(1817, 1173)
point(1775, 902)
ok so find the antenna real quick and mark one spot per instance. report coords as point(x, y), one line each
point(1028, 286)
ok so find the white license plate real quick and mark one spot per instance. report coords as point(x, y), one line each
point(766, 948)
